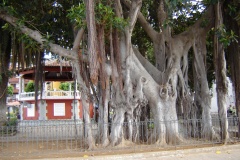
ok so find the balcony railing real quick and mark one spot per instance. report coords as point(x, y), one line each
point(50, 95)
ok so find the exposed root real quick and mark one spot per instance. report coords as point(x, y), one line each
point(161, 143)
point(176, 140)
point(126, 143)
point(106, 143)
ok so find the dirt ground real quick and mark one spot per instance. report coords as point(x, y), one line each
point(229, 152)
point(61, 149)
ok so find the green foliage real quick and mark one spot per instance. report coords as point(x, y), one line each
point(77, 15)
point(168, 22)
point(182, 14)
point(20, 22)
point(204, 23)
point(65, 86)
point(9, 127)
point(232, 9)
point(119, 23)
point(104, 16)
point(7, 8)
point(30, 87)
point(10, 90)
point(47, 17)
point(174, 5)
point(5, 26)
point(31, 45)
point(12, 121)
point(47, 41)
point(150, 125)
point(238, 18)
point(209, 2)
point(226, 37)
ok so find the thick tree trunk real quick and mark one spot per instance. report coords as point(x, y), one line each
point(129, 117)
point(92, 41)
point(5, 52)
point(162, 101)
point(221, 78)
point(234, 57)
point(170, 50)
point(202, 95)
point(87, 123)
point(235, 72)
point(160, 53)
point(117, 124)
point(105, 140)
point(85, 96)
point(3, 99)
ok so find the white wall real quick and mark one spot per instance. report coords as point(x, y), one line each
point(231, 97)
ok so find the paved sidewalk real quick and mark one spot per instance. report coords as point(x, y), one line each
point(229, 152)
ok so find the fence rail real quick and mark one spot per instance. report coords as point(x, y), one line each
point(67, 136)
point(50, 95)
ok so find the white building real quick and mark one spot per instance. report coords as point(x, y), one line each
point(230, 99)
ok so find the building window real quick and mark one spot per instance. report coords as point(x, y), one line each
point(59, 109)
point(17, 86)
point(31, 110)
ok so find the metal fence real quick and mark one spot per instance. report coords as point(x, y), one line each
point(37, 138)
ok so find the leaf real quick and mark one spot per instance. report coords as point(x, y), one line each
point(5, 26)
point(174, 3)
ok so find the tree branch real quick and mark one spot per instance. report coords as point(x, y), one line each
point(161, 14)
point(92, 41)
point(39, 38)
point(199, 24)
point(118, 8)
point(146, 26)
point(152, 70)
point(78, 39)
point(134, 10)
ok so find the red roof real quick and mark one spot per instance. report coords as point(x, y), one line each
point(55, 70)
point(13, 80)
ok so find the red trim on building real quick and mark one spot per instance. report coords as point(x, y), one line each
point(50, 109)
point(25, 113)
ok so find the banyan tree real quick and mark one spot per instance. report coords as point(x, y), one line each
point(114, 73)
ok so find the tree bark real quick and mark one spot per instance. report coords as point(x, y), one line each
point(87, 123)
point(162, 103)
point(202, 95)
point(160, 84)
point(92, 41)
point(5, 52)
point(234, 57)
point(221, 78)
point(35, 35)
